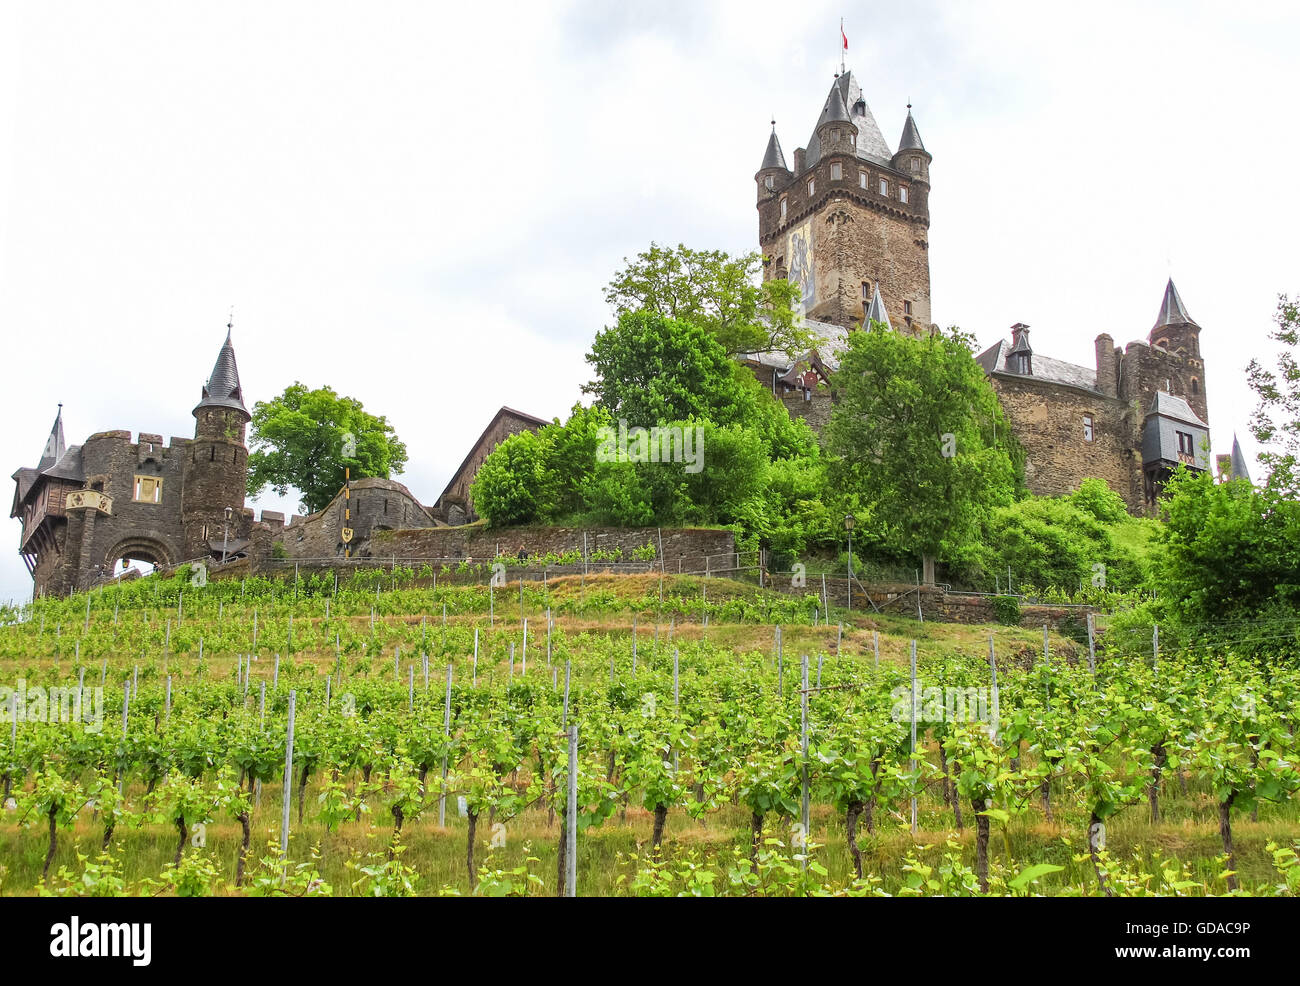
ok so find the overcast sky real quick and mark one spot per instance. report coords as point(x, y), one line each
point(418, 203)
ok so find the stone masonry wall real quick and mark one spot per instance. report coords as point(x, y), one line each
point(1047, 419)
point(377, 505)
point(482, 543)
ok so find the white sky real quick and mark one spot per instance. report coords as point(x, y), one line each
point(419, 203)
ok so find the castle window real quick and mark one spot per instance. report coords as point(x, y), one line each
point(866, 290)
point(884, 187)
point(1087, 428)
point(1162, 343)
point(902, 193)
point(916, 164)
point(837, 171)
point(812, 186)
point(1196, 386)
point(835, 135)
point(1185, 445)
point(204, 535)
point(770, 182)
point(862, 179)
point(148, 489)
point(783, 209)
point(907, 308)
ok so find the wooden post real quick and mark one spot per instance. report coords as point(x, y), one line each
point(875, 647)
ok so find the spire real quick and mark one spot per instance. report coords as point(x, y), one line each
point(835, 110)
point(1172, 311)
point(870, 143)
point(911, 139)
point(54, 446)
point(773, 158)
point(222, 388)
point(876, 311)
point(1239, 470)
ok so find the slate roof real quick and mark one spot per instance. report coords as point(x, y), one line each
point(54, 446)
point(876, 310)
point(69, 466)
point(1172, 309)
point(222, 388)
point(994, 360)
point(828, 341)
point(773, 158)
point(911, 139)
point(1239, 470)
point(871, 143)
point(1169, 406)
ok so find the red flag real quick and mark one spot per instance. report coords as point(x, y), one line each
point(845, 37)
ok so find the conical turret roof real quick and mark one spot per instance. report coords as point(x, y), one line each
point(54, 445)
point(835, 111)
point(1172, 310)
point(222, 388)
point(871, 145)
point(773, 158)
point(911, 139)
point(876, 310)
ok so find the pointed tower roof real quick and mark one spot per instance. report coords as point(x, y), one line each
point(835, 110)
point(1172, 310)
point(876, 310)
point(871, 144)
point(1239, 470)
point(773, 158)
point(54, 445)
point(222, 388)
point(911, 139)
point(1020, 340)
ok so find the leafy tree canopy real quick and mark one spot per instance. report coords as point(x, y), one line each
point(1276, 422)
point(919, 434)
point(719, 293)
point(297, 440)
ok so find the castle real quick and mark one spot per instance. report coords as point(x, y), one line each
point(86, 508)
point(849, 223)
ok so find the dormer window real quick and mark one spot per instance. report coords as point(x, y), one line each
point(884, 187)
point(1022, 365)
point(837, 171)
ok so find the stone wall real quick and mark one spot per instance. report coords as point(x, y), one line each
point(1047, 419)
point(816, 410)
point(1145, 369)
point(454, 506)
point(858, 235)
point(376, 504)
point(481, 543)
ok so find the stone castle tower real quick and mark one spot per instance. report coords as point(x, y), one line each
point(86, 507)
point(852, 217)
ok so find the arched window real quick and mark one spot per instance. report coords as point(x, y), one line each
point(1196, 386)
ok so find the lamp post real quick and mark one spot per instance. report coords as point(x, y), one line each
point(225, 537)
point(849, 521)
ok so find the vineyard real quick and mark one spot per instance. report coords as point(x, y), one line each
point(621, 735)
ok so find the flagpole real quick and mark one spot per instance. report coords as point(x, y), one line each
point(843, 45)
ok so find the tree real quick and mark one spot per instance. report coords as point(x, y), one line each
point(652, 369)
point(299, 440)
point(718, 292)
point(919, 436)
point(1230, 551)
point(1276, 421)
